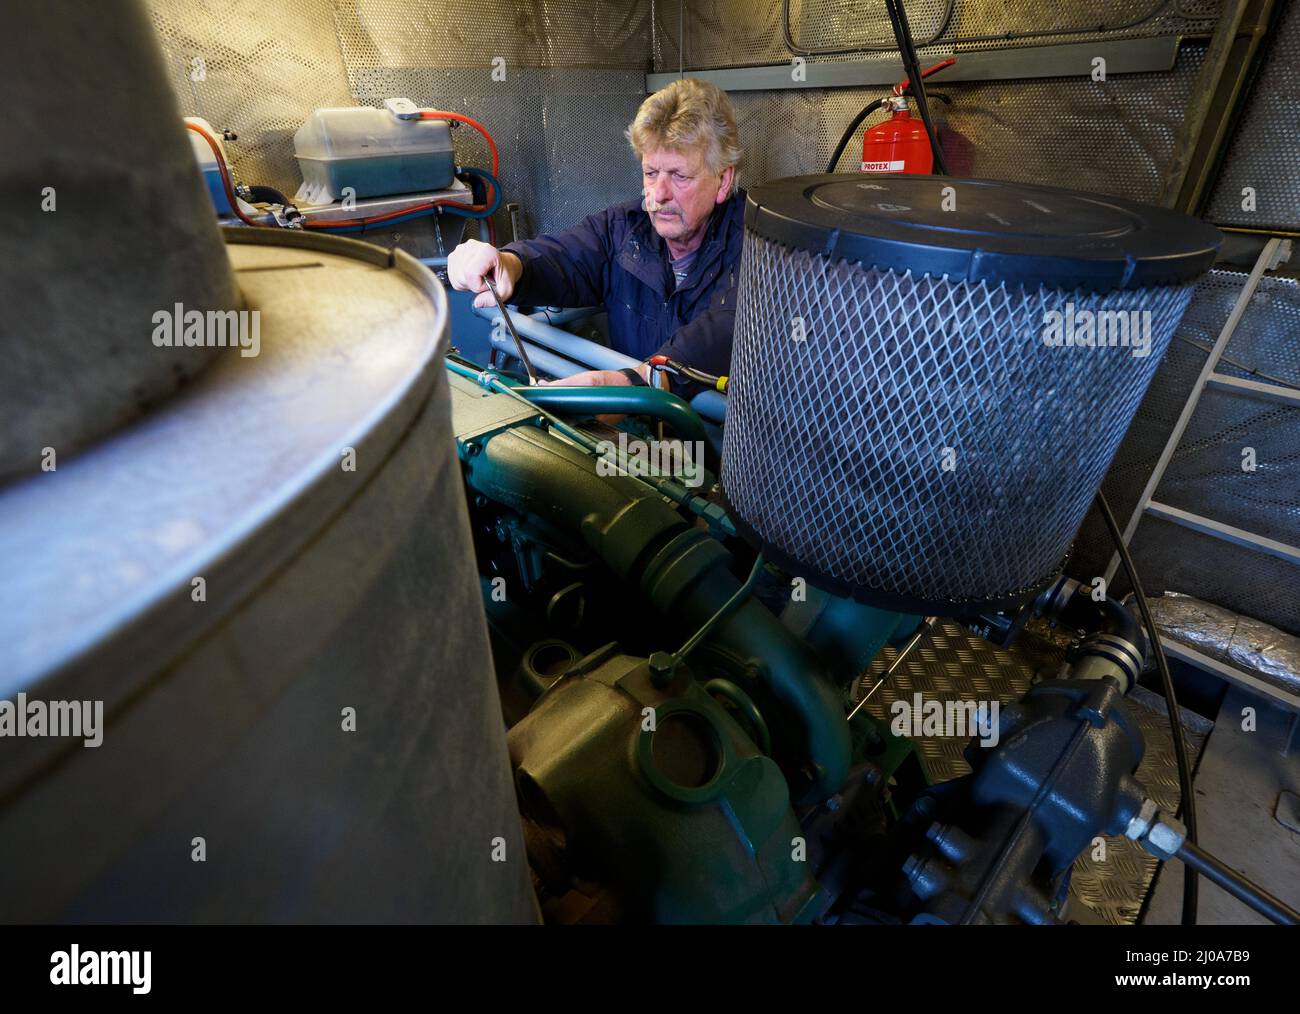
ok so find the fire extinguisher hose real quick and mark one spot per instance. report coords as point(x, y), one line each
point(848, 134)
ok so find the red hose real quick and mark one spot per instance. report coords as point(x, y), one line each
point(902, 85)
point(225, 175)
point(437, 114)
point(443, 202)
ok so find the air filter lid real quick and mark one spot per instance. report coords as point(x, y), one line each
point(984, 230)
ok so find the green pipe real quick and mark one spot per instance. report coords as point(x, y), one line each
point(620, 401)
point(685, 573)
point(711, 512)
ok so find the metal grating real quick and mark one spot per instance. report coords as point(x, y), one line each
point(1208, 477)
point(995, 130)
point(737, 33)
point(896, 370)
point(1264, 153)
point(953, 664)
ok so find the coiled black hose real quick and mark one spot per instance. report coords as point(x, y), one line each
point(850, 131)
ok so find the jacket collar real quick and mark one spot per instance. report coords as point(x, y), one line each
point(645, 254)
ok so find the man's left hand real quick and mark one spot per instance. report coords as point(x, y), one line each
point(600, 378)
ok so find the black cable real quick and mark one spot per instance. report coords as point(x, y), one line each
point(1280, 381)
point(1188, 808)
point(903, 33)
point(917, 85)
point(267, 195)
point(788, 36)
point(848, 134)
point(1244, 890)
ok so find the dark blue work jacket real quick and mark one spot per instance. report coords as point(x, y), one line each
point(615, 257)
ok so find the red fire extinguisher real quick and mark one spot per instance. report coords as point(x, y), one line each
point(899, 144)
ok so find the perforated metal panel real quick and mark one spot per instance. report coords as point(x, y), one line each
point(569, 80)
point(1111, 137)
point(538, 33)
point(1264, 154)
point(1173, 558)
point(935, 454)
point(256, 68)
point(732, 33)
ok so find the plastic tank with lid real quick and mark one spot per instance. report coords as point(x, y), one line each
point(373, 152)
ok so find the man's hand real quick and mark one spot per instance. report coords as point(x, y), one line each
point(600, 378)
point(471, 263)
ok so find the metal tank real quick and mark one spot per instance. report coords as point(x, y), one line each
point(258, 596)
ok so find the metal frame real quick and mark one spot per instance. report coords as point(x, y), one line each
point(1275, 251)
point(1123, 56)
point(1231, 61)
point(1207, 663)
point(1270, 392)
point(1217, 529)
point(1267, 260)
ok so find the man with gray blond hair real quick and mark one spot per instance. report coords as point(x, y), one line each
point(665, 266)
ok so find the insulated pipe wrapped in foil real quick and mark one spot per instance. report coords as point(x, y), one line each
point(1239, 641)
point(930, 376)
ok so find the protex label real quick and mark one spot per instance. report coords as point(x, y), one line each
point(883, 167)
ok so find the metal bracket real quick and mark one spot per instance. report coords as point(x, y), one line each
point(1122, 56)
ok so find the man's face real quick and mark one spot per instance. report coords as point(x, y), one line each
point(680, 193)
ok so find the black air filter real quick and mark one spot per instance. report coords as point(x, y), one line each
point(902, 424)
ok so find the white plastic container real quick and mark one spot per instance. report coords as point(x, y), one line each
point(373, 152)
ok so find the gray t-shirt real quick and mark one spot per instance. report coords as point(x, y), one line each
point(682, 266)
